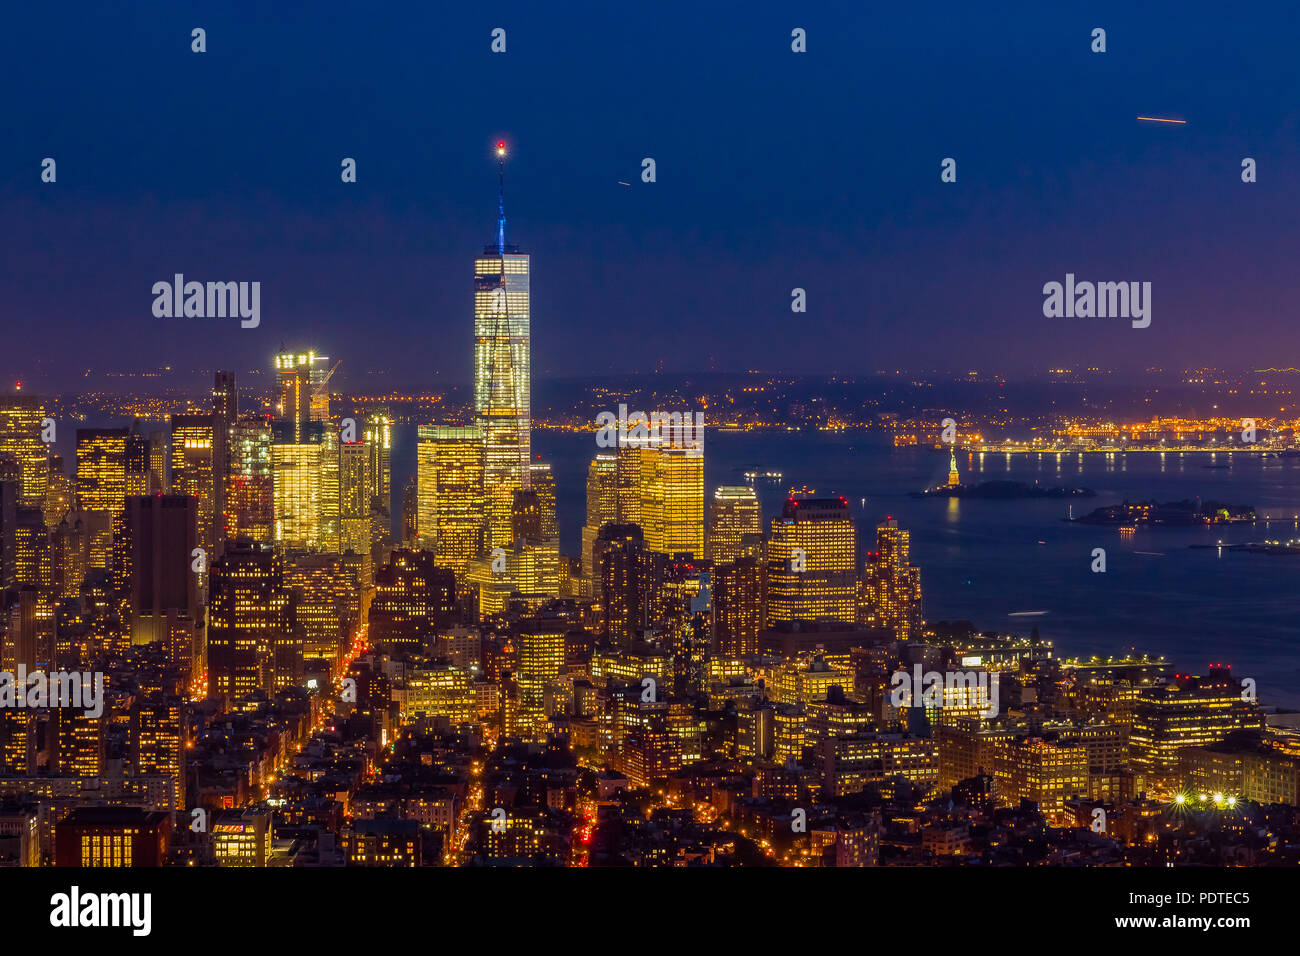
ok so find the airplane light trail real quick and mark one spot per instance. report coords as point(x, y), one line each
point(1161, 119)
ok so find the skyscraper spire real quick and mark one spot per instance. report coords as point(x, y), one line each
point(501, 198)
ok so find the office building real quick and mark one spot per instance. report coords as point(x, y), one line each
point(733, 513)
point(811, 562)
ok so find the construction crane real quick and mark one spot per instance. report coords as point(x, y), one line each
point(320, 389)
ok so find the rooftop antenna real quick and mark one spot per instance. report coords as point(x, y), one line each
point(501, 198)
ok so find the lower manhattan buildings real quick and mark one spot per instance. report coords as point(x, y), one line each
point(672, 664)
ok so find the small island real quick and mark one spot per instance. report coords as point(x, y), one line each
point(1171, 514)
point(998, 490)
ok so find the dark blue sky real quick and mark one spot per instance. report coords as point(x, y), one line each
point(775, 170)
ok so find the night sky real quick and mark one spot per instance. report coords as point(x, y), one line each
point(775, 170)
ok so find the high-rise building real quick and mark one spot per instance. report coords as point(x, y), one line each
point(410, 515)
point(542, 481)
point(628, 482)
point(602, 508)
point(158, 741)
point(250, 491)
point(225, 413)
point(413, 597)
point(355, 500)
point(1188, 711)
point(502, 377)
point(20, 440)
point(156, 564)
point(139, 467)
point(194, 471)
point(68, 556)
point(331, 599)
point(251, 626)
point(296, 495)
point(101, 486)
point(58, 493)
point(159, 477)
point(328, 484)
point(243, 838)
point(379, 441)
point(812, 562)
point(733, 513)
point(889, 591)
point(101, 468)
point(629, 579)
point(29, 635)
point(81, 741)
point(28, 562)
point(738, 591)
point(541, 648)
point(450, 478)
point(1045, 772)
point(672, 499)
point(299, 376)
point(525, 516)
point(527, 570)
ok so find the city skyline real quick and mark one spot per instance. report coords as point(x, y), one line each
point(838, 439)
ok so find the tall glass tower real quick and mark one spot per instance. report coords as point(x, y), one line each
point(502, 372)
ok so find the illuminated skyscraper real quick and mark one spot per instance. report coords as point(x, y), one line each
point(602, 508)
point(413, 597)
point(251, 639)
point(502, 377)
point(194, 471)
point(101, 487)
point(450, 475)
point(629, 578)
point(302, 393)
point(628, 483)
point(296, 474)
point(159, 479)
point(250, 489)
point(101, 468)
point(1189, 711)
point(889, 592)
point(81, 741)
point(738, 590)
point(542, 480)
point(812, 562)
point(158, 741)
point(20, 439)
point(733, 513)
point(355, 485)
point(672, 499)
point(410, 515)
point(379, 440)
point(330, 597)
point(329, 487)
point(541, 646)
point(225, 413)
point(58, 493)
point(139, 467)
